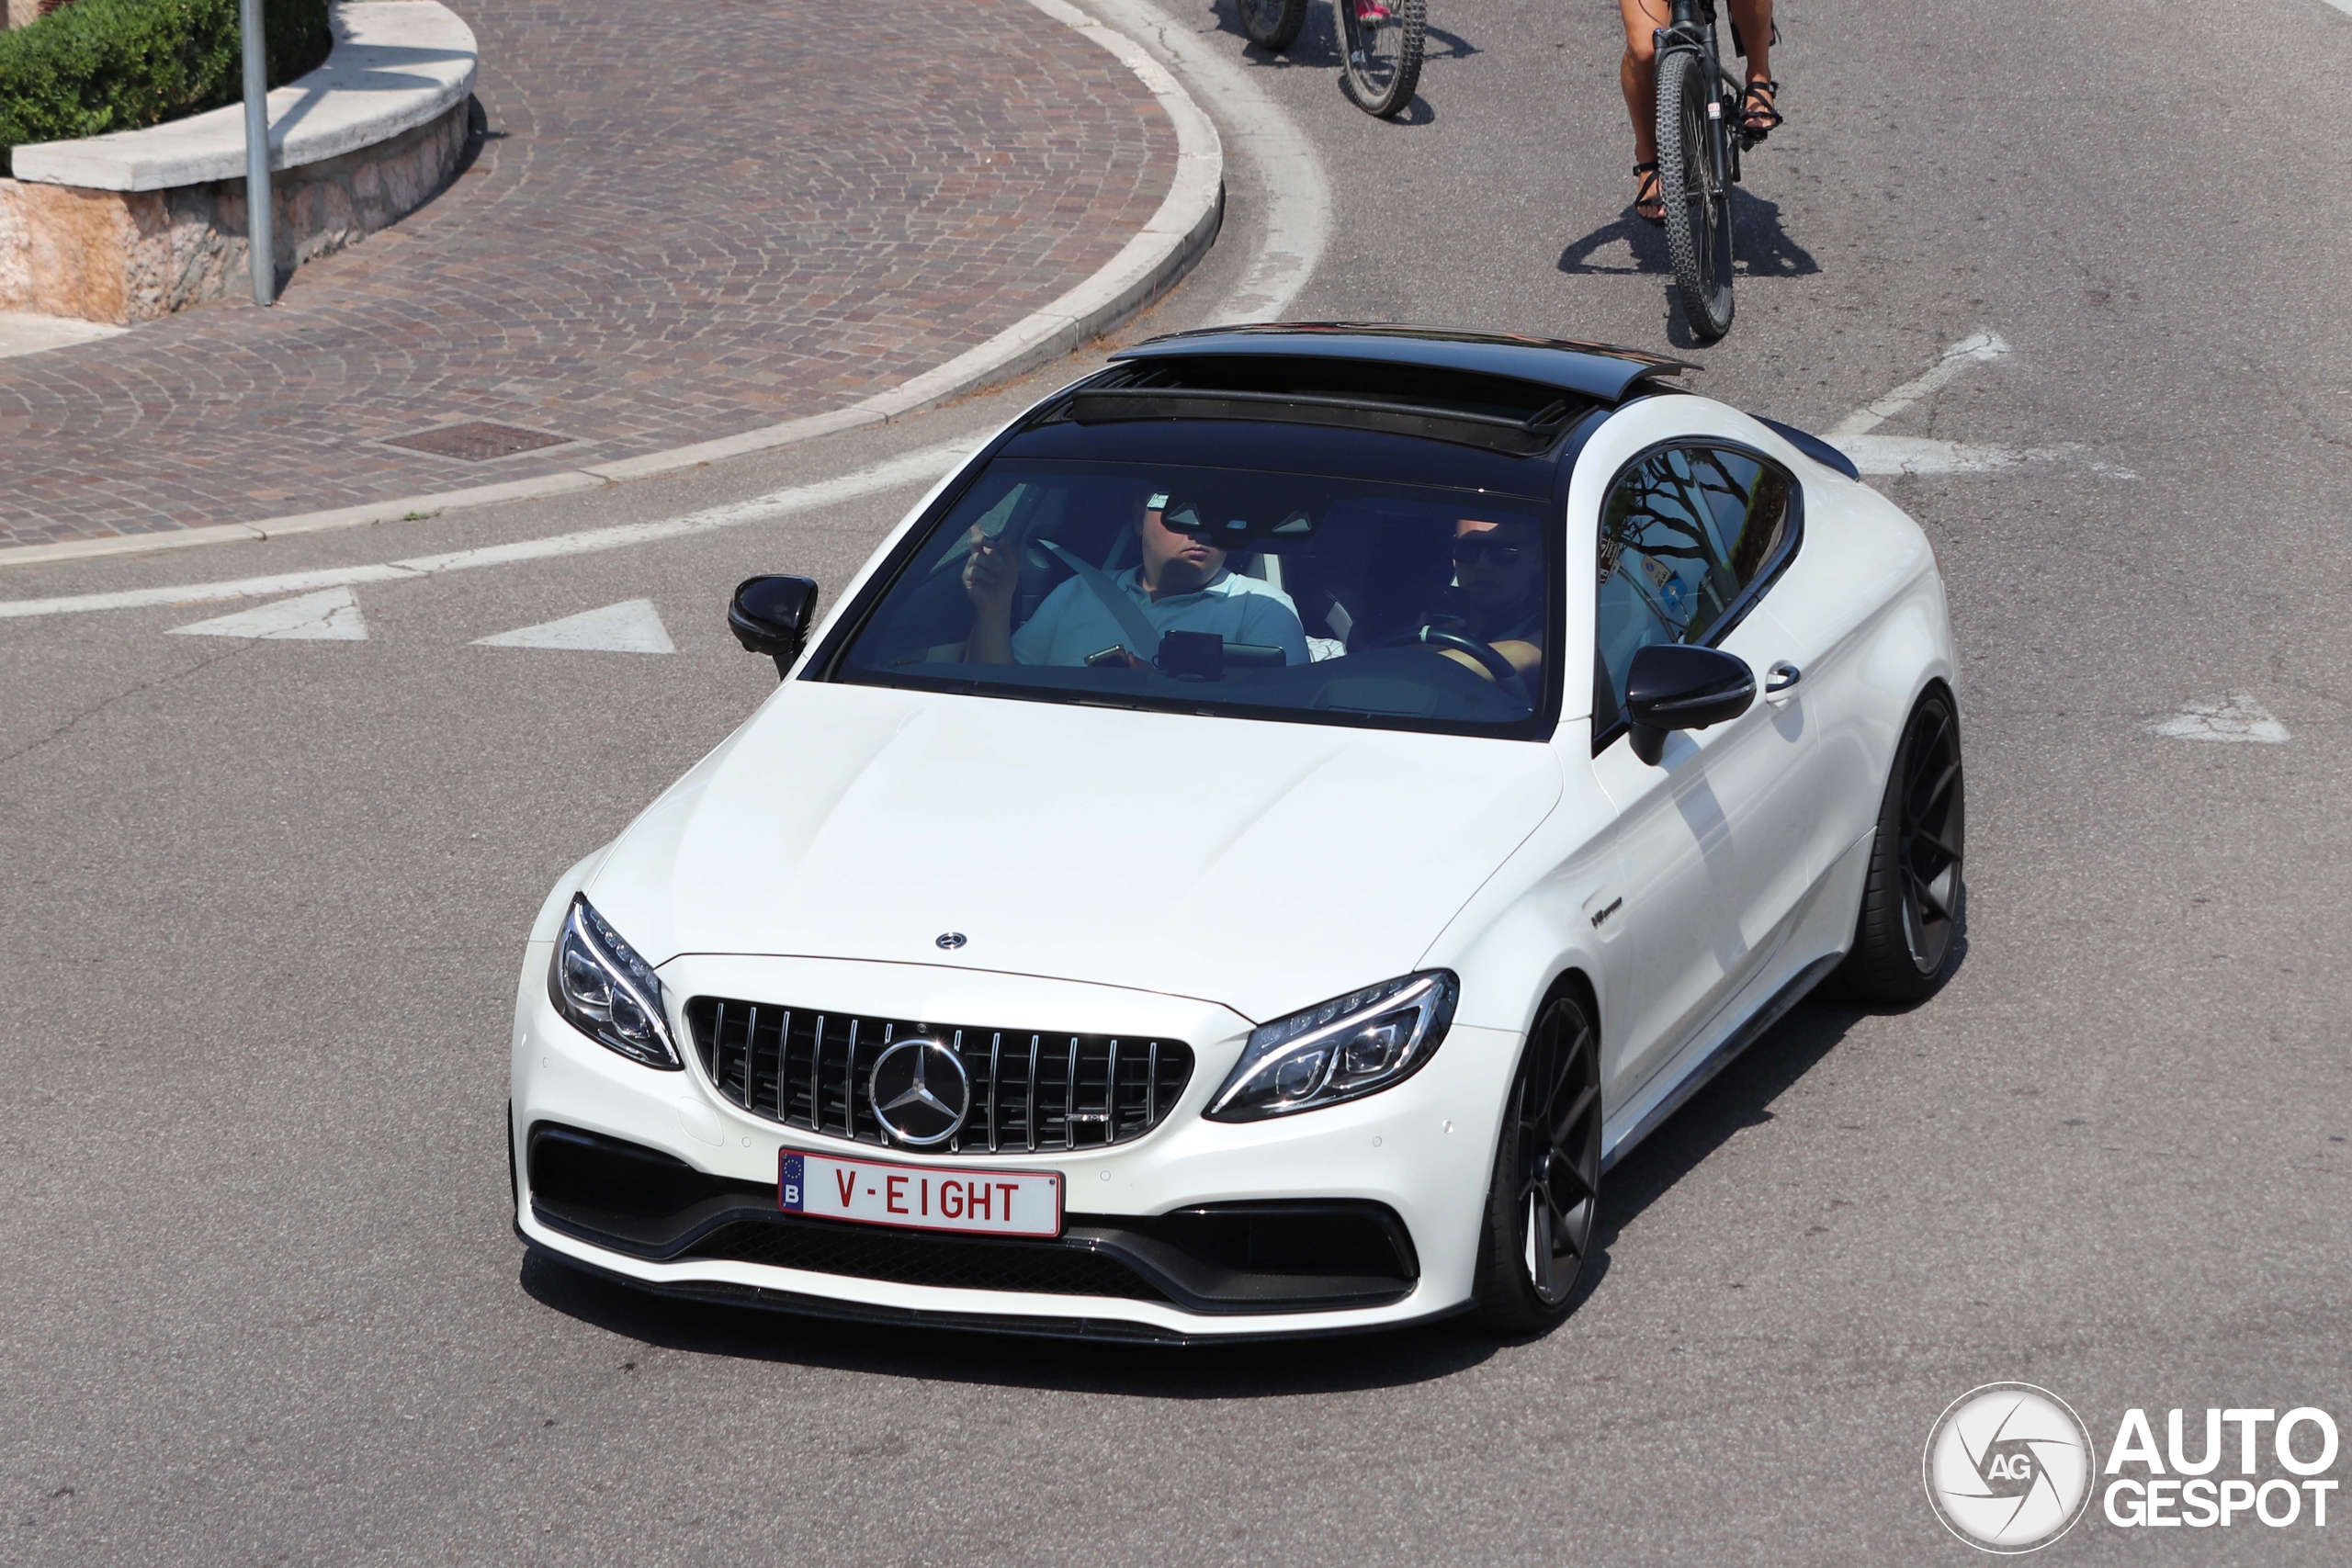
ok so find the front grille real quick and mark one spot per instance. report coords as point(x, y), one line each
point(1053, 1269)
point(1031, 1092)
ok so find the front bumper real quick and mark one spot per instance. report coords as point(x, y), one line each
point(1413, 1160)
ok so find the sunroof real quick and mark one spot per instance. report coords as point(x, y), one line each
point(1494, 412)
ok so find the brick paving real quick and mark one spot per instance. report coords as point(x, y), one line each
point(686, 221)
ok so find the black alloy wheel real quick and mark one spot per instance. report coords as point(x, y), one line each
point(1545, 1196)
point(1913, 897)
point(1381, 40)
point(1696, 189)
point(1273, 24)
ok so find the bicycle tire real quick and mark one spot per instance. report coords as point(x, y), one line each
point(1273, 24)
point(1379, 85)
point(1697, 194)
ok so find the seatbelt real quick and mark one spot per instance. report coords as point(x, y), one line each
point(1143, 642)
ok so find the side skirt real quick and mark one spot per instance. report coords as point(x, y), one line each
point(1725, 1051)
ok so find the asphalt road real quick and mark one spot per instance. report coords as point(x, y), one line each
point(264, 901)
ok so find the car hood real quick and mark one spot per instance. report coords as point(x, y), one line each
point(1261, 864)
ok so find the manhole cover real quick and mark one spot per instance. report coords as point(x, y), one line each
point(477, 443)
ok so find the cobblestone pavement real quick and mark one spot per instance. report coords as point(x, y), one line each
point(685, 223)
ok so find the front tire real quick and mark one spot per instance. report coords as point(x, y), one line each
point(1381, 40)
point(1696, 189)
point(1545, 1196)
point(1903, 941)
point(1273, 24)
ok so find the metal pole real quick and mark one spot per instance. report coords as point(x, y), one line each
point(257, 196)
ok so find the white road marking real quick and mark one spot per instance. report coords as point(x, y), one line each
point(329, 617)
point(632, 625)
point(1919, 455)
point(1296, 222)
point(2238, 717)
point(914, 468)
point(1976, 349)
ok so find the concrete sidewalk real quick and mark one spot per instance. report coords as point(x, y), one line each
point(682, 223)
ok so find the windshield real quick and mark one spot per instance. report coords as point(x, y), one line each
point(1202, 589)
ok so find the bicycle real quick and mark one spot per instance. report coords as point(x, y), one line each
point(1700, 135)
point(1380, 44)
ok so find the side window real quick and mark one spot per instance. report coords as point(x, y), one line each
point(1684, 533)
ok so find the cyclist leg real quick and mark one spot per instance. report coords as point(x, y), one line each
point(1637, 75)
point(1759, 110)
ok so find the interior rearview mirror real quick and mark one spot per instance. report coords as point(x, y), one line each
point(1675, 686)
point(771, 615)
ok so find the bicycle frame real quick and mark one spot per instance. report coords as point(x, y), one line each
point(1691, 30)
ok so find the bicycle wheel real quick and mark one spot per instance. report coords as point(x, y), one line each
point(1383, 42)
point(1696, 189)
point(1273, 24)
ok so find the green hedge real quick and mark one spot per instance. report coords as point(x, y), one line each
point(101, 65)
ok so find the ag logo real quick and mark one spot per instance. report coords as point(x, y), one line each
point(2009, 1467)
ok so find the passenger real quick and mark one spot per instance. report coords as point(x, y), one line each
point(1181, 584)
point(1497, 593)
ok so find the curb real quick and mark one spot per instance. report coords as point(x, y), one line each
point(1150, 263)
point(396, 64)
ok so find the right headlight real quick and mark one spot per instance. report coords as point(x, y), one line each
point(1344, 1049)
point(608, 992)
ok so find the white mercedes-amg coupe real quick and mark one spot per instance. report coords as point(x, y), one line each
point(1249, 852)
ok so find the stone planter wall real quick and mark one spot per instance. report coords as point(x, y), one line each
point(131, 257)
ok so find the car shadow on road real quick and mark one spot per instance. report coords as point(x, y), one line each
point(1740, 1096)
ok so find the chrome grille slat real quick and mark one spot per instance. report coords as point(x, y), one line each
point(1111, 1098)
point(1029, 1109)
point(1049, 1108)
point(750, 1050)
point(996, 1048)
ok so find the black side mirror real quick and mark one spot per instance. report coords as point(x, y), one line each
point(1674, 686)
point(771, 615)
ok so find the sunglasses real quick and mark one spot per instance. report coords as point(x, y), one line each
point(1470, 552)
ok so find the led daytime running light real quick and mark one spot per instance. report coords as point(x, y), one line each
point(604, 990)
point(1350, 1047)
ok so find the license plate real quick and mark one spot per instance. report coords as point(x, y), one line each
point(921, 1197)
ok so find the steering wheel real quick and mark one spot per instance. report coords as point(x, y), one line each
point(1505, 673)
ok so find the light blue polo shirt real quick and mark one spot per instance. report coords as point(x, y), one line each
point(1073, 624)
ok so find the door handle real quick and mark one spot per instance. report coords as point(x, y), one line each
point(1780, 680)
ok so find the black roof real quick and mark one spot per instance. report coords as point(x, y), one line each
point(1595, 370)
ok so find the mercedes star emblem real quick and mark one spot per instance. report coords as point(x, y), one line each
point(920, 1091)
point(951, 941)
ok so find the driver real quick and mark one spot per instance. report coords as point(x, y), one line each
point(1498, 593)
point(1181, 584)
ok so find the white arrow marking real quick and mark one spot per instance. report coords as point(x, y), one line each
point(2238, 717)
point(330, 616)
point(1916, 455)
point(926, 464)
point(631, 626)
point(1979, 348)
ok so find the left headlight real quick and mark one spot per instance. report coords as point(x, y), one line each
point(607, 992)
point(1348, 1048)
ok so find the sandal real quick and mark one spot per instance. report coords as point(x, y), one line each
point(1758, 114)
point(1649, 202)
